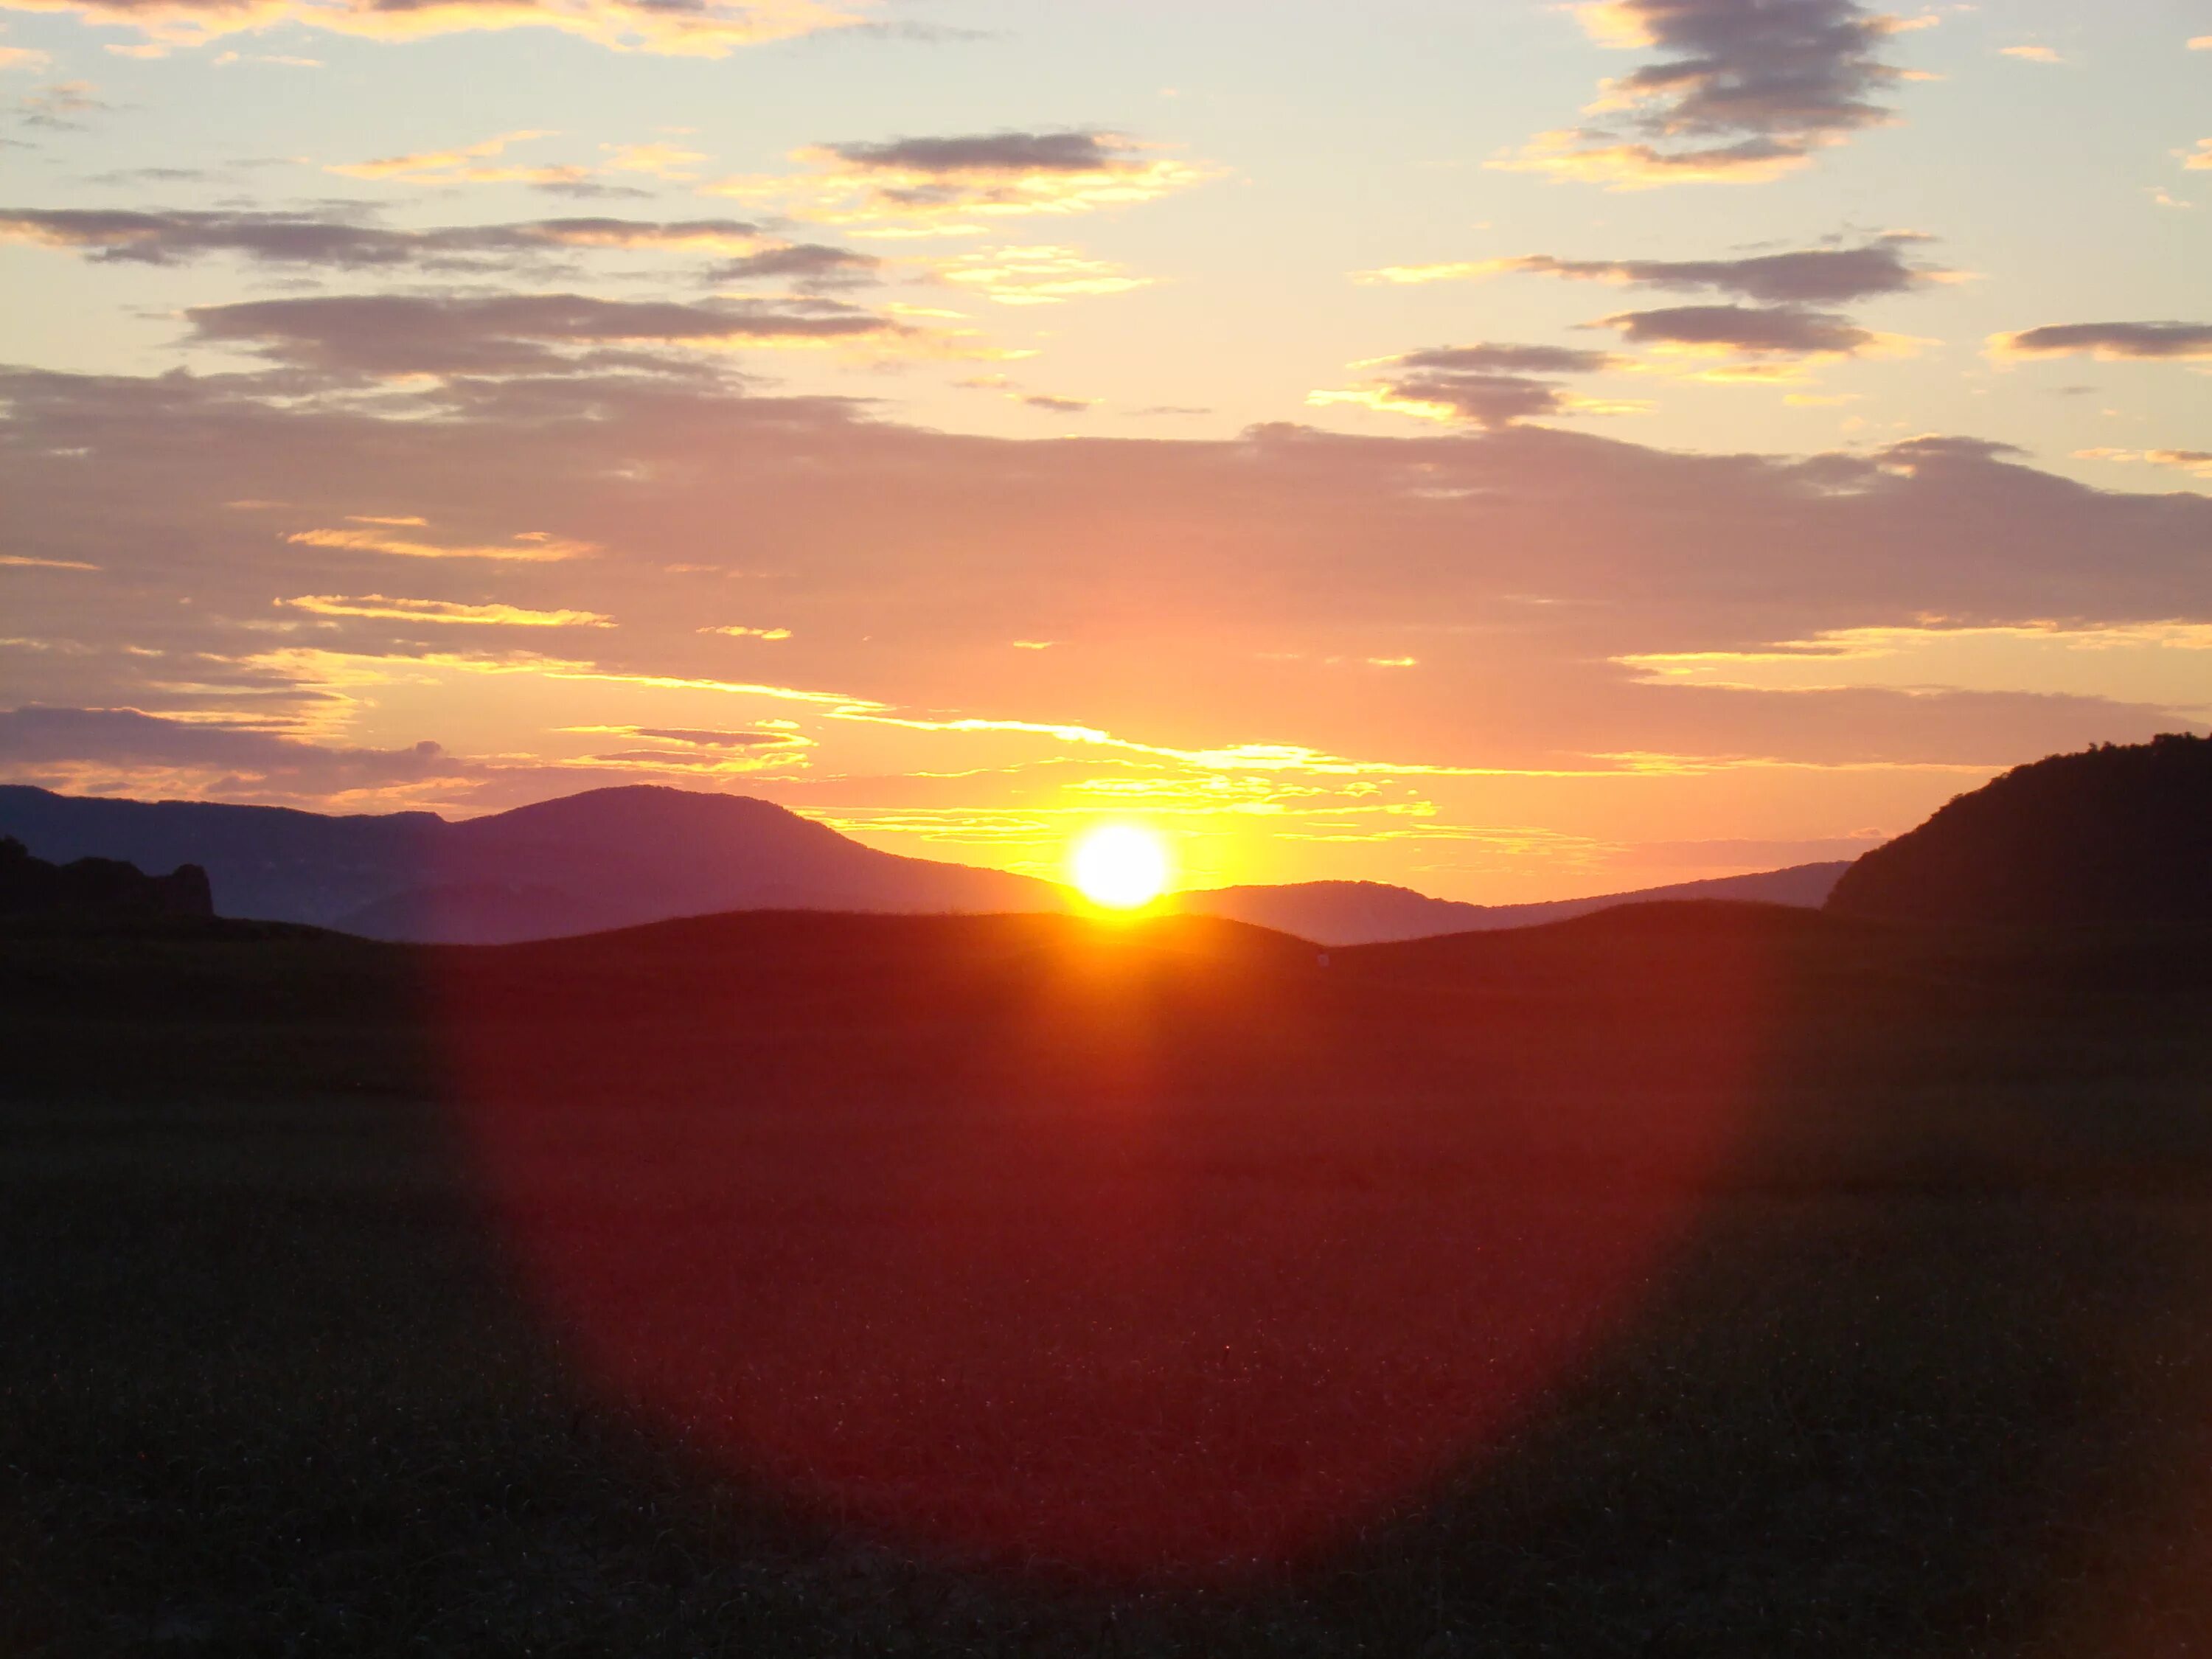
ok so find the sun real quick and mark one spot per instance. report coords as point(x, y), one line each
point(1119, 866)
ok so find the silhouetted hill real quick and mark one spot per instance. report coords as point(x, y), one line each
point(2113, 835)
point(96, 888)
point(607, 858)
point(1342, 913)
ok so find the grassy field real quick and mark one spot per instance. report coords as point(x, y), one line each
point(1682, 1281)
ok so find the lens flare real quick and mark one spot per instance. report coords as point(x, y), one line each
point(1120, 867)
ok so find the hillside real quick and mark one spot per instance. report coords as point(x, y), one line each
point(2119, 834)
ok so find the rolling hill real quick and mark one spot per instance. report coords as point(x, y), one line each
point(2116, 835)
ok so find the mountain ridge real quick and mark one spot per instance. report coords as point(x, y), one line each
point(619, 857)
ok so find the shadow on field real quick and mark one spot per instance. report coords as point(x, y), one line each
point(1709, 1280)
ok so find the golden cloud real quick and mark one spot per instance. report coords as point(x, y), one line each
point(1038, 276)
point(531, 547)
point(711, 29)
point(956, 185)
point(443, 611)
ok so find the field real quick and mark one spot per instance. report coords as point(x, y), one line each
point(1686, 1280)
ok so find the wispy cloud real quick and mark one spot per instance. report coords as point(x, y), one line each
point(377, 606)
point(706, 28)
point(531, 547)
point(1808, 276)
point(167, 237)
point(1490, 385)
point(2196, 463)
point(957, 185)
point(2111, 341)
point(400, 335)
point(1038, 276)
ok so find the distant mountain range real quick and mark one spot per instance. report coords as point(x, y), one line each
point(615, 858)
point(1375, 913)
point(608, 857)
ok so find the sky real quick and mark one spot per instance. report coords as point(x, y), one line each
point(1514, 450)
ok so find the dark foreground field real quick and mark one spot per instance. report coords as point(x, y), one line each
point(1687, 1280)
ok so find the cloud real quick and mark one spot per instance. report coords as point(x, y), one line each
point(1741, 91)
point(2109, 342)
point(77, 748)
point(696, 737)
point(1491, 385)
point(956, 185)
point(810, 267)
point(1038, 276)
point(172, 237)
point(708, 28)
point(2196, 463)
point(1779, 330)
point(388, 334)
point(660, 161)
point(2200, 159)
point(737, 631)
point(1809, 276)
point(18, 561)
point(531, 547)
point(57, 106)
point(24, 58)
point(2031, 54)
point(377, 606)
point(1514, 562)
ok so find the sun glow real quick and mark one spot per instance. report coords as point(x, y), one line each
point(1119, 866)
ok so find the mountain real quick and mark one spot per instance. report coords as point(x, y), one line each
point(607, 858)
point(96, 888)
point(615, 858)
point(1346, 913)
point(2116, 834)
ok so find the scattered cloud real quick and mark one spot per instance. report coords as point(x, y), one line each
point(377, 606)
point(809, 267)
point(2199, 160)
point(2031, 54)
point(398, 335)
point(485, 163)
point(706, 28)
point(21, 561)
point(1038, 276)
point(1490, 385)
point(1808, 276)
point(172, 237)
point(2196, 463)
point(957, 185)
point(2109, 342)
point(658, 160)
point(737, 631)
point(58, 104)
point(1741, 91)
point(1755, 330)
point(693, 737)
point(24, 58)
point(531, 547)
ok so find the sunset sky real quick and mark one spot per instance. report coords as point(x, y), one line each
point(1513, 449)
